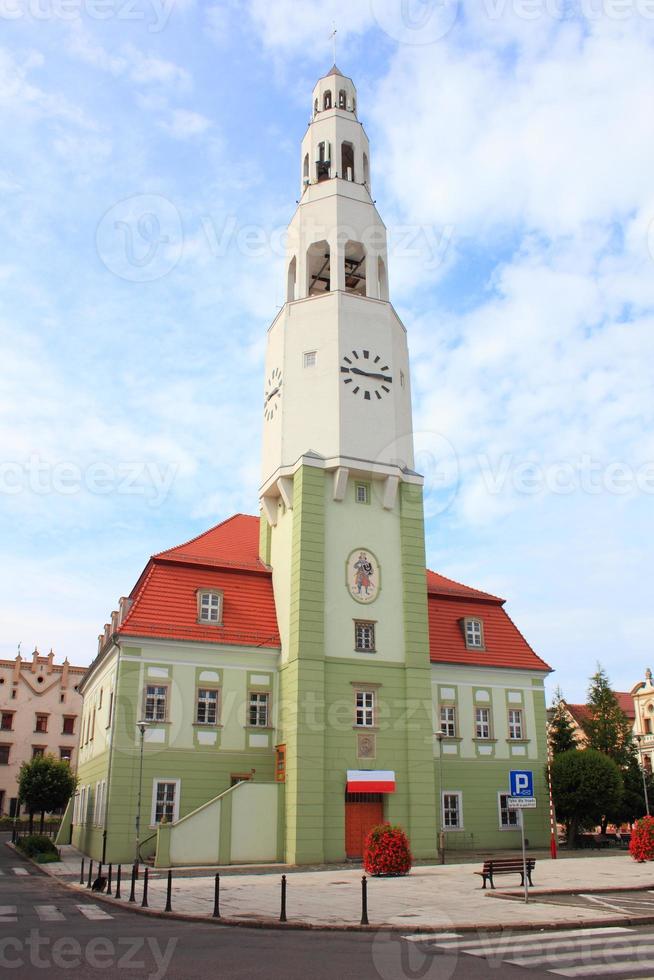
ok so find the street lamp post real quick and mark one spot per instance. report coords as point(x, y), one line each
point(639, 739)
point(441, 834)
point(141, 725)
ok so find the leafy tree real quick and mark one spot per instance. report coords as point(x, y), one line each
point(561, 731)
point(632, 805)
point(45, 784)
point(607, 728)
point(586, 785)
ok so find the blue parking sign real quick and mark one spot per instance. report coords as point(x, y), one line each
point(521, 782)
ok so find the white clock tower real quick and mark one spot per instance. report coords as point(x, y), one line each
point(339, 495)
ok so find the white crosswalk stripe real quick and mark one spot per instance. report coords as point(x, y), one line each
point(49, 913)
point(8, 913)
point(20, 871)
point(94, 912)
point(612, 951)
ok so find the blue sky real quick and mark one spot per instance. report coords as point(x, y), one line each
point(150, 163)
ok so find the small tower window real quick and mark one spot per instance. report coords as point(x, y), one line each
point(292, 277)
point(305, 169)
point(323, 160)
point(310, 358)
point(327, 99)
point(366, 170)
point(355, 268)
point(362, 493)
point(342, 99)
point(364, 637)
point(318, 269)
point(347, 161)
point(382, 279)
point(315, 106)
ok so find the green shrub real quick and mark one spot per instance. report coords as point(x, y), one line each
point(48, 858)
point(35, 844)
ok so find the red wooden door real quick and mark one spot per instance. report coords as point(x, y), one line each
point(360, 818)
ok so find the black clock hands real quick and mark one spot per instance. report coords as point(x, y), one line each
point(369, 374)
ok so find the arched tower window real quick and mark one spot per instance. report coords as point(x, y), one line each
point(323, 160)
point(315, 106)
point(327, 99)
point(342, 99)
point(382, 279)
point(355, 268)
point(292, 278)
point(318, 269)
point(366, 170)
point(305, 169)
point(347, 161)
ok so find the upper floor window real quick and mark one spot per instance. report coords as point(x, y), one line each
point(207, 706)
point(482, 723)
point(364, 637)
point(7, 721)
point(41, 724)
point(474, 634)
point(365, 709)
point(165, 800)
point(4, 755)
point(515, 723)
point(68, 725)
point(362, 493)
point(448, 720)
point(210, 607)
point(65, 753)
point(38, 751)
point(156, 698)
point(259, 709)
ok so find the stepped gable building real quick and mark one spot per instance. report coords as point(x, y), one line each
point(40, 708)
point(301, 676)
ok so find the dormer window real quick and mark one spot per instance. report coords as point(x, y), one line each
point(473, 631)
point(210, 606)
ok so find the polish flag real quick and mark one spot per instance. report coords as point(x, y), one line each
point(370, 781)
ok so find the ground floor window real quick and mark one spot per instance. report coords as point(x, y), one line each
point(508, 818)
point(452, 812)
point(165, 800)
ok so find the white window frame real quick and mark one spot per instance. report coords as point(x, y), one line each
point(474, 632)
point(207, 701)
point(364, 636)
point(256, 700)
point(458, 795)
point(504, 809)
point(448, 724)
point(310, 358)
point(214, 604)
point(481, 725)
point(178, 787)
point(365, 494)
point(516, 726)
point(157, 698)
point(365, 708)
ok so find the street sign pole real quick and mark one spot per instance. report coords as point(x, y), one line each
point(524, 854)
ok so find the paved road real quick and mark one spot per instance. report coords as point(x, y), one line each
point(629, 903)
point(46, 927)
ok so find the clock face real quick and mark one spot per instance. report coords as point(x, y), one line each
point(366, 374)
point(273, 394)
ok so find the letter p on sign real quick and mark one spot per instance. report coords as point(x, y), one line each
point(521, 782)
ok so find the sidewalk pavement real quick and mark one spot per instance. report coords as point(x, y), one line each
point(430, 897)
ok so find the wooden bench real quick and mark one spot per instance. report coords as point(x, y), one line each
point(506, 866)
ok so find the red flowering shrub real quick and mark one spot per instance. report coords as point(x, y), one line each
point(387, 851)
point(641, 847)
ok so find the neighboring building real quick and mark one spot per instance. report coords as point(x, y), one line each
point(40, 705)
point(301, 675)
point(642, 695)
point(579, 714)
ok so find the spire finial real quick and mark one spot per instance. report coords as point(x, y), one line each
point(332, 37)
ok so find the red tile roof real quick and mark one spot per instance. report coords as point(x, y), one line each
point(225, 558)
point(581, 713)
point(504, 645)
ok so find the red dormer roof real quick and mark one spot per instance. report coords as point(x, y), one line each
point(449, 603)
point(224, 558)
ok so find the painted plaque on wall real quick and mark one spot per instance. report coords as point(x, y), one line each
point(363, 575)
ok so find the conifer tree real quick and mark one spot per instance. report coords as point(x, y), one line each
point(561, 732)
point(607, 728)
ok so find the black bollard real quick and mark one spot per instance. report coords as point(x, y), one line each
point(282, 914)
point(364, 901)
point(144, 903)
point(90, 881)
point(132, 896)
point(169, 893)
point(81, 873)
point(109, 880)
point(216, 898)
point(117, 893)
point(100, 869)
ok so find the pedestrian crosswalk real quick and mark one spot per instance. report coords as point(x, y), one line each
point(615, 951)
point(52, 913)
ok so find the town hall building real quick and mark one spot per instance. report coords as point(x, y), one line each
point(274, 687)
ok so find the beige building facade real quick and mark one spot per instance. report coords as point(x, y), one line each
point(40, 711)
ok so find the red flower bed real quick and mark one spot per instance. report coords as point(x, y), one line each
point(641, 847)
point(387, 851)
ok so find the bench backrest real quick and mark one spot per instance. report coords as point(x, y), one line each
point(507, 864)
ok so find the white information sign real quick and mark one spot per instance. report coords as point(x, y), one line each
point(521, 802)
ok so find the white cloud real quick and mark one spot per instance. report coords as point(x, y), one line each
point(183, 123)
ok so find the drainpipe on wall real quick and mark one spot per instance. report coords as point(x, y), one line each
point(114, 708)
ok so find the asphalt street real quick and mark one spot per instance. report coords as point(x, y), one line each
point(45, 927)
